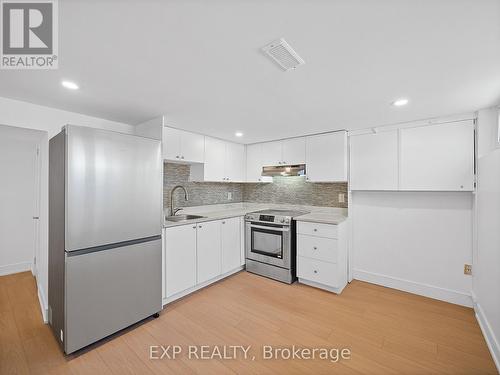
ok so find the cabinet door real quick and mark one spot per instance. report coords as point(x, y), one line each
point(171, 143)
point(254, 163)
point(294, 151)
point(208, 250)
point(271, 153)
point(235, 162)
point(374, 161)
point(438, 157)
point(180, 258)
point(215, 154)
point(326, 157)
point(231, 244)
point(192, 147)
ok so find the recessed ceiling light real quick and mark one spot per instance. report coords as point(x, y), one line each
point(400, 102)
point(70, 85)
point(238, 134)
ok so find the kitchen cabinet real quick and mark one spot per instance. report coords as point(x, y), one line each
point(234, 162)
point(224, 162)
point(284, 152)
point(374, 161)
point(293, 151)
point(208, 250)
point(438, 157)
point(179, 145)
point(271, 153)
point(326, 157)
point(215, 154)
point(231, 243)
point(322, 255)
point(180, 258)
point(254, 163)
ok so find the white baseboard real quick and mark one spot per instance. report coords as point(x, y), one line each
point(489, 335)
point(43, 304)
point(15, 268)
point(426, 290)
point(200, 286)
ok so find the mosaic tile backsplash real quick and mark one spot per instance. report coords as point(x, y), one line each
point(294, 190)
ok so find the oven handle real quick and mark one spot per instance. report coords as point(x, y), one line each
point(286, 229)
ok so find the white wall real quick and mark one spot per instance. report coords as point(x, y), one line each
point(486, 282)
point(18, 198)
point(32, 116)
point(414, 241)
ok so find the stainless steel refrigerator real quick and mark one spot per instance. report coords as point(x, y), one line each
point(105, 220)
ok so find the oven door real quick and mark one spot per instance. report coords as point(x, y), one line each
point(268, 243)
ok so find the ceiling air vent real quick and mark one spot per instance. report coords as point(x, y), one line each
point(281, 52)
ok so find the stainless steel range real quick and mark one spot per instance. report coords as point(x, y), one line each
point(270, 243)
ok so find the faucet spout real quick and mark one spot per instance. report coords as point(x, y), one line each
point(186, 197)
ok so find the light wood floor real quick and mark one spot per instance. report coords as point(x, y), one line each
point(387, 331)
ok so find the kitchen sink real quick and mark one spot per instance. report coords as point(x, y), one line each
point(177, 218)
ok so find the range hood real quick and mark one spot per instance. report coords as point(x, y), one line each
point(284, 170)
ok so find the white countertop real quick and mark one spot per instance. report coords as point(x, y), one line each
point(328, 215)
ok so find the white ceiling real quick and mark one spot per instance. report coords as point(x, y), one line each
point(200, 64)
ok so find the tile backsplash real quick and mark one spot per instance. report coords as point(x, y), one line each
point(294, 190)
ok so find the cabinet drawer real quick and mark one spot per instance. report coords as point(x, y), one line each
point(318, 271)
point(319, 248)
point(316, 229)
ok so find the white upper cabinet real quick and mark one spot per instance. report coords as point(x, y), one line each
point(215, 155)
point(293, 151)
point(326, 157)
point(374, 161)
point(254, 163)
point(235, 162)
point(179, 145)
point(271, 153)
point(438, 157)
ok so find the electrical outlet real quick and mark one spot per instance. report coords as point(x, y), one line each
point(341, 198)
point(229, 196)
point(467, 269)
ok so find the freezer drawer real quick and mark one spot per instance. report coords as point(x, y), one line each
point(109, 290)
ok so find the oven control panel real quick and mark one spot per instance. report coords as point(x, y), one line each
point(268, 218)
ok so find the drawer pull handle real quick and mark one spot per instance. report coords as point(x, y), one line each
point(315, 271)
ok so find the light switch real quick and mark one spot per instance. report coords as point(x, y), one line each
point(229, 196)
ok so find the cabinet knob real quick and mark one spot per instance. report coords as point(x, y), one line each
point(259, 179)
point(182, 157)
point(223, 222)
point(315, 271)
point(177, 156)
point(315, 248)
point(315, 230)
point(194, 227)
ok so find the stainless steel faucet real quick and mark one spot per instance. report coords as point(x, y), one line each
point(186, 197)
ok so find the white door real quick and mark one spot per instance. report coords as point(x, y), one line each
point(271, 153)
point(231, 244)
point(438, 157)
point(171, 144)
point(215, 155)
point(192, 147)
point(254, 163)
point(208, 250)
point(180, 258)
point(235, 162)
point(326, 157)
point(294, 151)
point(18, 192)
point(374, 161)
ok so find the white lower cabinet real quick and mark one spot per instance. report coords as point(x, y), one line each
point(197, 254)
point(180, 258)
point(208, 250)
point(322, 255)
point(231, 243)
